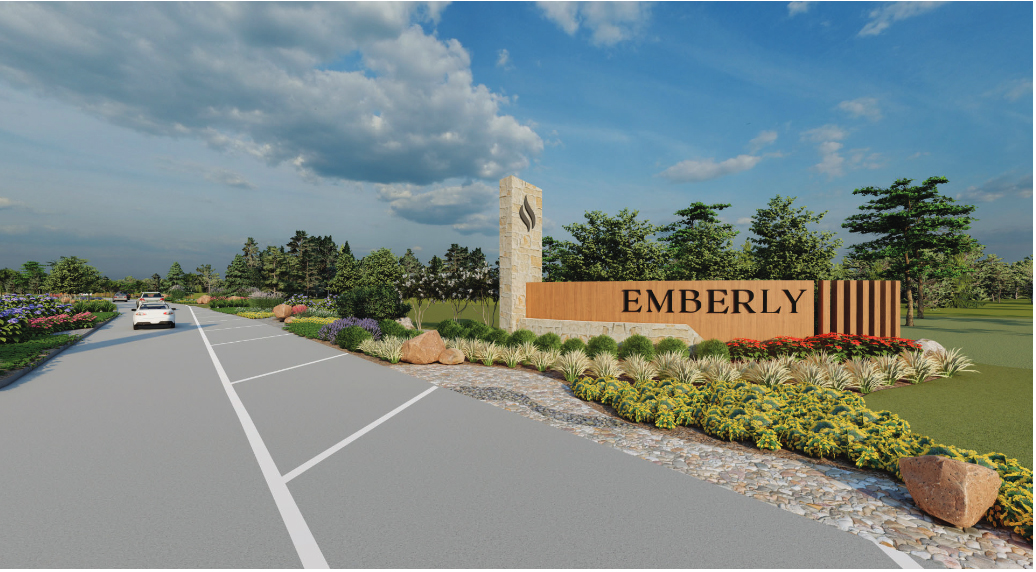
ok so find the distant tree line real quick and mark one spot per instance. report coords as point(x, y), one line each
point(919, 239)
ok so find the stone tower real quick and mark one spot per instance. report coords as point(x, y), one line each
point(521, 247)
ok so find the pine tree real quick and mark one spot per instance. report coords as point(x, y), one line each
point(700, 245)
point(346, 271)
point(911, 221)
point(238, 273)
point(175, 275)
point(785, 248)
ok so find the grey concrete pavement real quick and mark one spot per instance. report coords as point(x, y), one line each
point(110, 466)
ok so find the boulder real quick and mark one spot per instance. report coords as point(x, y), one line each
point(237, 298)
point(405, 322)
point(289, 320)
point(281, 311)
point(930, 346)
point(451, 356)
point(955, 491)
point(204, 299)
point(423, 349)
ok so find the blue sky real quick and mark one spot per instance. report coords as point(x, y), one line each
point(136, 135)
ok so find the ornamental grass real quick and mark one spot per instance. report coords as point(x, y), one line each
point(543, 360)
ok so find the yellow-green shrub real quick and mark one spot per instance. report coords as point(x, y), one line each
point(313, 320)
point(820, 422)
point(255, 315)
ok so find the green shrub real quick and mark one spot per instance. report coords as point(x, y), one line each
point(549, 341)
point(819, 422)
point(519, 337)
point(601, 343)
point(304, 329)
point(392, 328)
point(476, 330)
point(671, 345)
point(639, 345)
point(351, 337)
point(231, 304)
point(93, 306)
point(264, 303)
point(450, 329)
point(374, 302)
point(571, 345)
point(498, 336)
point(712, 347)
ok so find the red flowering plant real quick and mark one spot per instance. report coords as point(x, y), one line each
point(842, 346)
point(61, 322)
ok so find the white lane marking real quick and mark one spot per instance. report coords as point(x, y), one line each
point(312, 462)
point(305, 545)
point(900, 558)
point(236, 328)
point(286, 369)
point(253, 339)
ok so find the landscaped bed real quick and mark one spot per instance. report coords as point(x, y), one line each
point(811, 405)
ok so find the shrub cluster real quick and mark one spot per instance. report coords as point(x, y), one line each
point(350, 337)
point(329, 333)
point(472, 330)
point(61, 322)
point(548, 342)
point(819, 422)
point(600, 344)
point(671, 345)
point(256, 315)
point(305, 329)
point(713, 347)
point(313, 303)
point(637, 345)
point(93, 306)
point(374, 302)
point(395, 329)
point(843, 346)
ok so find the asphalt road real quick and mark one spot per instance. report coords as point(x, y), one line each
point(229, 445)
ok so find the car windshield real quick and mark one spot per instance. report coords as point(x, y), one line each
point(154, 307)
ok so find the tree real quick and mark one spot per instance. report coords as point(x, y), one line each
point(785, 248)
point(910, 220)
point(274, 264)
point(605, 249)
point(208, 276)
point(175, 275)
point(1021, 277)
point(700, 244)
point(9, 280)
point(33, 276)
point(380, 267)
point(995, 276)
point(191, 282)
point(423, 285)
point(239, 275)
point(409, 262)
point(72, 275)
point(346, 271)
point(251, 253)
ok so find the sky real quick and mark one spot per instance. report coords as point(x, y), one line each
point(138, 134)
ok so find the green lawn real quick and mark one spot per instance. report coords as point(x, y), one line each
point(439, 311)
point(989, 411)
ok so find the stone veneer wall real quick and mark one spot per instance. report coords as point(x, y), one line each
point(521, 249)
point(618, 330)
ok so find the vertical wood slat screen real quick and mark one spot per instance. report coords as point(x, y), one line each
point(860, 307)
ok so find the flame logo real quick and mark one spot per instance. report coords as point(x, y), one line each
point(527, 215)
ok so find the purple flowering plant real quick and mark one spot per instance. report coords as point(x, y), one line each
point(329, 333)
point(17, 309)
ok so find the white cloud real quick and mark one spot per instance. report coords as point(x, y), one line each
point(881, 18)
point(798, 8)
point(744, 220)
point(999, 187)
point(863, 159)
point(5, 203)
point(228, 178)
point(862, 107)
point(919, 154)
point(825, 133)
point(608, 22)
point(503, 60)
point(1012, 90)
point(762, 140)
point(463, 207)
point(831, 161)
point(695, 171)
point(265, 80)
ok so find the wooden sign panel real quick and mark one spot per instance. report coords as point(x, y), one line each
point(722, 309)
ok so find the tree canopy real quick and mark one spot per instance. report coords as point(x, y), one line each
point(605, 248)
point(785, 248)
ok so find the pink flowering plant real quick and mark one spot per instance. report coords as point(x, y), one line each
point(61, 322)
point(16, 310)
point(842, 346)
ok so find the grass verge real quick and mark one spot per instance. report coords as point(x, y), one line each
point(25, 354)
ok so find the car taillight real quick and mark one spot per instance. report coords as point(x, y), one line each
point(167, 313)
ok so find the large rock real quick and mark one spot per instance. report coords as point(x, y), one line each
point(423, 349)
point(955, 491)
point(451, 356)
point(289, 320)
point(930, 346)
point(204, 299)
point(405, 322)
point(281, 311)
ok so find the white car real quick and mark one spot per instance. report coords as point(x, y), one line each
point(154, 314)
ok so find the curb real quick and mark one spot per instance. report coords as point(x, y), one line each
point(17, 374)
